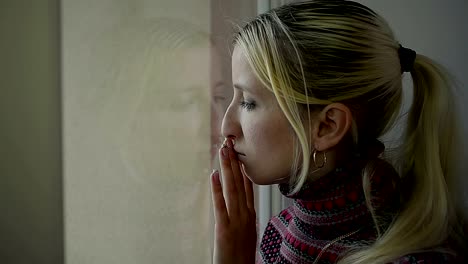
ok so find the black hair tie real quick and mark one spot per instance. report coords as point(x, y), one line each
point(407, 57)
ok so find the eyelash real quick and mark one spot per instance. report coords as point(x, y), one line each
point(248, 106)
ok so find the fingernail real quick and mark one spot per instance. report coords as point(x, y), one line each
point(215, 176)
point(230, 143)
point(225, 152)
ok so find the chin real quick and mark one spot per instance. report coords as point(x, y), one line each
point(260, 182)
point(257, 180)
point(268, 181)
point(264, 179)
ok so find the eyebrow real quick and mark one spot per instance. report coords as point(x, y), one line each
point(218, 85)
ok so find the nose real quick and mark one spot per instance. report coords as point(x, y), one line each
point(230, 126)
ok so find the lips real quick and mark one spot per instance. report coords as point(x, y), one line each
point(239, 153)
point(233, 143)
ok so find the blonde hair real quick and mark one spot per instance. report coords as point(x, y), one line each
point(311, 54)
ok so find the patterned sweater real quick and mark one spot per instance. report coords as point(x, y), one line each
point(331, 207)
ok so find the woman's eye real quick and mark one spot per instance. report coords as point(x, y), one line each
point(219, 99)
point(247, 105)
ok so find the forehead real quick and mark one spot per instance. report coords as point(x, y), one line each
point(243, 75)
point(188, 66)
point(240, 67)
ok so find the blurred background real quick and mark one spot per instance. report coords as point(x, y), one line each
point(110, 113)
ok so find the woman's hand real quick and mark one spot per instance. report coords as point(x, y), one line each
point(235, 221)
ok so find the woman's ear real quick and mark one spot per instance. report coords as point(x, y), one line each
point(331, 126)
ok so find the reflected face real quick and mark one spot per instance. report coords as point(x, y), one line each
point(169, 124)
point(187, 97)
point(263, 136)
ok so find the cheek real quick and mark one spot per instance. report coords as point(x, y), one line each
point(258, 137)
point(271, 149)
point(267, 136)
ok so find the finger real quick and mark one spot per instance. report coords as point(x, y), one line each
point(229, 186)
point(238, 177)
point(219, 205)
point(249, 193)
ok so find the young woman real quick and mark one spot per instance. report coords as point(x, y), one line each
point(316, 84)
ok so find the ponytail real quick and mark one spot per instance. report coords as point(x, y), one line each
point(428, 152)
point(428, 217)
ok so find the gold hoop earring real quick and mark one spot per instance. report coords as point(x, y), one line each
point(324, 160)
